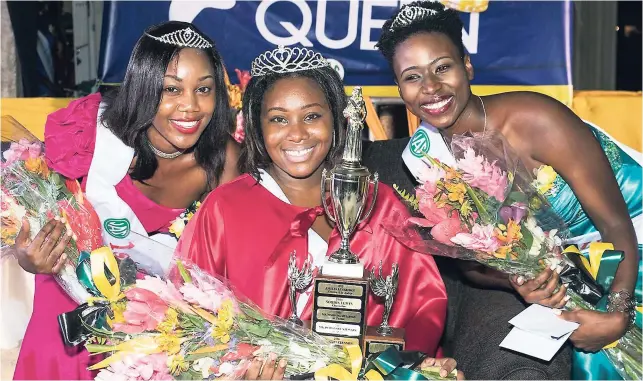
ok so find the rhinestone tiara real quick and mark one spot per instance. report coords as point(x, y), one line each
point(286, 60)
point(185, 38)
point(409, 15)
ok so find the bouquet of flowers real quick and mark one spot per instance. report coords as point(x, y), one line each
point(190, 325)
point(485, 208)
point(31, 191)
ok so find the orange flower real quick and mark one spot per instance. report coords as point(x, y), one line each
point(508, 234)
point(37, 165)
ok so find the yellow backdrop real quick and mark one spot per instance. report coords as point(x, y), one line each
point(618, 113)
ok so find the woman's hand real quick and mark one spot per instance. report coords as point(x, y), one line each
point(541, 289)
point(45, 254)
point(597, 329)
point(446, 365)
point(268, 370)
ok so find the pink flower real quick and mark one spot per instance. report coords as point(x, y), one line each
point(481, 238)
point(445, 230)
point(144, 311)
point(431, 212)
point(137, 367)
point(429, 177)
point(239, 132)
point(165, 290)
point(206, 291)
point(22, 150)
point(479, 173)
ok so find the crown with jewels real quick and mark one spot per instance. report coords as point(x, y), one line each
point(185, 38)
point(287, 60)
point(410, 15)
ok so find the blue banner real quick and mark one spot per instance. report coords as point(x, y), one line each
point(512, 43)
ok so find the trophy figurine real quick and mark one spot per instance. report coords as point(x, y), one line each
point(349, 182)
point(298, 280)
point(341, 288)
point(385, 335)
point(384, 288)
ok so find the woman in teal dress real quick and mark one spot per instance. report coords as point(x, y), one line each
point(629, 176)
point(601, 190)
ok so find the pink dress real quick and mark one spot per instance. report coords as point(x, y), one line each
point(69, 139)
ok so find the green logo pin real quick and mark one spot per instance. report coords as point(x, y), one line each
point(117, 227)
point(420, 144)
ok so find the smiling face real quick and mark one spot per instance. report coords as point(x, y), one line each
point(187, 103)
point(297, 127)
point(432, 77)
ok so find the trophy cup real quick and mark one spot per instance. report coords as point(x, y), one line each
point(341, 288)
point(298, 280)
point(378, 339)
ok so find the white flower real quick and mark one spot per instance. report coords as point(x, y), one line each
point(225, 368)
point(538, 236)
point(203, 365)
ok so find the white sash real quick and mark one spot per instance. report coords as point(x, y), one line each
point(426, 140)
point(122, 230)
point(317, 247)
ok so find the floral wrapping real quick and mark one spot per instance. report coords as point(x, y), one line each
point(31, 191)
point(193, 325)
point(488, 209)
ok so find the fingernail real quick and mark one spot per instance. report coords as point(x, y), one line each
point(57, 218)
point(272, 357)
point(557, 311)
point(520, 280)
point(443, 373)
point(282, 363)
point(75, 237)
point(566, 298)
point(63, 220)
point(552, 267)
point(559, 269)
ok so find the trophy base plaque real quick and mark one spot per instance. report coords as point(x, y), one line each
point(376, 343)
point(339, 307)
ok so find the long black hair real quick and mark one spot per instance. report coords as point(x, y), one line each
point(132, 107)
point(253, 152)
point(443, 20)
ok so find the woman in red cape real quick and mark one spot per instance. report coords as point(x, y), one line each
point(246, 230)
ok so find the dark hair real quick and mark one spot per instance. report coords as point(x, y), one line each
point(253, 153)
point(131, 109)
point(444, 21)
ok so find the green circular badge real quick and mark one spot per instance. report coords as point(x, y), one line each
point(420, 143)
point(117, 227)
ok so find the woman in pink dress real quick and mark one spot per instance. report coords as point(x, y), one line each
point(144, 154)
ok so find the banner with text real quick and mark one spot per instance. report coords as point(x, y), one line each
point(513, 44)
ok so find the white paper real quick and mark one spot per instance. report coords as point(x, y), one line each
point(538, 332)
point(532, 344)
point(542, 321)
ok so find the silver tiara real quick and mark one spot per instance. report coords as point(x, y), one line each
point(286, 60)
point(409, 15)
point(185, 38)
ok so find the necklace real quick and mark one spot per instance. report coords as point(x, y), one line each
point(484, 129)
point(162, 154)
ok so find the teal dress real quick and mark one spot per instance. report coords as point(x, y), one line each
point(595, 366)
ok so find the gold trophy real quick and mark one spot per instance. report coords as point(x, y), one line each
point(378, 339)
point(341, 289)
